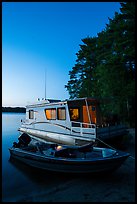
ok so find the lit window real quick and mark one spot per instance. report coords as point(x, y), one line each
point(31, 114)
point(50, 114)
point(61, 113)
point(74, 113)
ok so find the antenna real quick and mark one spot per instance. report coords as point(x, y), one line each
point(45, 84)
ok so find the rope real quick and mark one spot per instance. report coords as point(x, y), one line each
point(113, 147)
point(106, 144)
point(132, 157)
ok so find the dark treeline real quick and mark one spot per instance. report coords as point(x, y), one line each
point(14, 110)
point(105, 66)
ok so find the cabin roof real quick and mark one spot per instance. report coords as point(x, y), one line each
point(55, 102)
point(85, 98)
point(41, 103)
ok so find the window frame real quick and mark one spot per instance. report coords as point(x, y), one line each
point(61, 108)
point(93, 108)
point(50, 109)
point(78, 108)
point(31, 114)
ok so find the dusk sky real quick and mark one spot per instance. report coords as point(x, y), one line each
point(39, 37)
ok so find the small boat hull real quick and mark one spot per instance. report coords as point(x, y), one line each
point(68, 165)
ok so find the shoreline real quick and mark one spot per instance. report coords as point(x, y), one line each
point(13, 110)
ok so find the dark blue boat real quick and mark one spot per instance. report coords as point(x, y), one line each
point(69, 159)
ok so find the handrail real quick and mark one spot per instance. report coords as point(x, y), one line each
point(83, 126)
point(87, 125)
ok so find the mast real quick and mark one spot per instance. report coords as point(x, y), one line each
point(45, 84)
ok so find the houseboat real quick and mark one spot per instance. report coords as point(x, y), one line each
point(70, 122)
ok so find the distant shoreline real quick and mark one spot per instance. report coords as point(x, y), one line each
point(14, 109)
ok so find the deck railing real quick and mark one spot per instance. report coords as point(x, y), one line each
point(83, 128)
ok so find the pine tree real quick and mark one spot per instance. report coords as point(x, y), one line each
point(81, 79)
point(105, 65)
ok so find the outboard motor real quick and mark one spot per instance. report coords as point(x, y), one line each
point(24, 140)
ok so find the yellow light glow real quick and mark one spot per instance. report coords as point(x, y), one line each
point(58, 148)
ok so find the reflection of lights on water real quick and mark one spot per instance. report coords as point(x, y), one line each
point(58, 147)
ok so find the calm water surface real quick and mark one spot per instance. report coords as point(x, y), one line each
point(19, 180)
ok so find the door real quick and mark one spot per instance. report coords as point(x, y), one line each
point(92, 114)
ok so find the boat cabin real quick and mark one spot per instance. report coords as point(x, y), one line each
point(69, 122)
point(82, 110)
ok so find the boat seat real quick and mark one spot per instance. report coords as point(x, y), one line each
point(53, 145)
point(86, 148)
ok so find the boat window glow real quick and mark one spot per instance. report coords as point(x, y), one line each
point(31, 114)
point(50, 114)
point(61, 114)
point(74, 113)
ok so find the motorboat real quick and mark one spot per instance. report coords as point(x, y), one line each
point(68, 159)
point(70, 122)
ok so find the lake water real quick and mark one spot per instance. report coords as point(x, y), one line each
point(19, 180)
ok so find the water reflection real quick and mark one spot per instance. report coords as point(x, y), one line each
point(38, 175)
point(18, 179)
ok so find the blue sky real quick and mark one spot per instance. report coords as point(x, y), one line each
point(39, 37)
